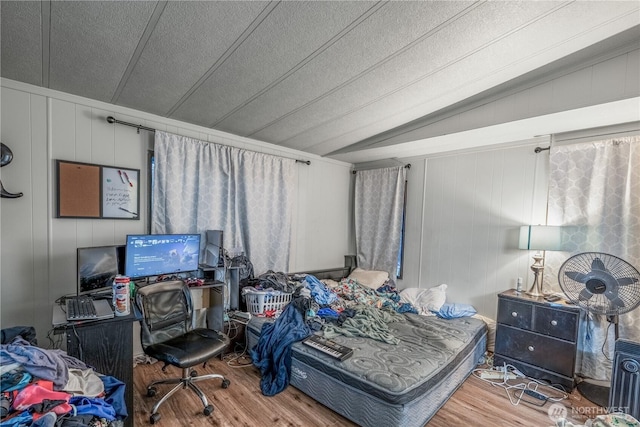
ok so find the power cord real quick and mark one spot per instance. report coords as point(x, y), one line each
point(55, 340)
point(505, 376)
point(80, 350)
point(604, 344)
point(239, 358)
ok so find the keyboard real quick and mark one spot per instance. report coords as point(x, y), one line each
point(329, 347)
point(81, 308)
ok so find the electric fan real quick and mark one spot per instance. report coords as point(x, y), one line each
point(602, 284)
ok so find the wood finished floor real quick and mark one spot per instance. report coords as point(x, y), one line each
point(475, 403)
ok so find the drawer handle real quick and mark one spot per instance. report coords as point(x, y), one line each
point(554, 323)
point(514, 313)
point(530, 348)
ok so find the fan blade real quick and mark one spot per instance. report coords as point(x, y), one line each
point(623, 281)
point(577, 276)
point(585, 294)
point(597, 264)
point(615, 299)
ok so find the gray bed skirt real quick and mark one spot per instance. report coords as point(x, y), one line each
point(390, 385)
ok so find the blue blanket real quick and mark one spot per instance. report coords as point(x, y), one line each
point(272, 354)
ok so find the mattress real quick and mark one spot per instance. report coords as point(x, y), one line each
point(386, 384)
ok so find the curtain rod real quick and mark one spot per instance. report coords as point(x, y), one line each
point(582, 134)
point(407, 166)
point(112, 119)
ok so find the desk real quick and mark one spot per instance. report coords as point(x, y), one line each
point(107, 345)
point(214, 303)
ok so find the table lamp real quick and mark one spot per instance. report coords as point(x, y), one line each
point(539, 238)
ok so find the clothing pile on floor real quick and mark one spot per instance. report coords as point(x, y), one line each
point(606, 420)
point(47, 388)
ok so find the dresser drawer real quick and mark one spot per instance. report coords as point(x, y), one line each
point(556, 323)
point(515, 313)
point(539, 350)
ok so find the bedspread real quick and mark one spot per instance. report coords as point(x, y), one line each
point(367, 322)
point(353, 293)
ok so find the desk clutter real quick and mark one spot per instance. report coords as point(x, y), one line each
point(49, 387)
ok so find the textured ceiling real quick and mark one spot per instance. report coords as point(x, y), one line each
point(315, 76)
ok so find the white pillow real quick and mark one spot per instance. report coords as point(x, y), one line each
point(425, 300)
point(369, 278)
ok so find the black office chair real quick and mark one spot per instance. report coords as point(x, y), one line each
point(168, 334)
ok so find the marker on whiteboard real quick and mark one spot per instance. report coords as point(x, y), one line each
point(128, 180)
point(121, 177)
point(123, 209)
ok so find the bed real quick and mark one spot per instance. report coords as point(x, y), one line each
point(401, 384)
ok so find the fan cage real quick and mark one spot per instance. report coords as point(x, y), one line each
point(629, 293)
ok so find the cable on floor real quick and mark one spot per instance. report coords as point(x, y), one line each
point(519, 387)
point(239, 357)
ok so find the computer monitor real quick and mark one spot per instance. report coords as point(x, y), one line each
point(97, 266)
point(161, 254)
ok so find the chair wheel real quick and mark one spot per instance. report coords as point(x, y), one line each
point(151, 391)
point(193, 373)
point(208, 410)
point(225, 383)
point(154, 418)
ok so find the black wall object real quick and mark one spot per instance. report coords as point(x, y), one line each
point(6, 156)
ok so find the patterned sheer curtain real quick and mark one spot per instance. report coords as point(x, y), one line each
point(594, 190)
point(379, 203)
point(202, 186)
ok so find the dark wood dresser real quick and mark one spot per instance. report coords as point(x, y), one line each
point(537, 337)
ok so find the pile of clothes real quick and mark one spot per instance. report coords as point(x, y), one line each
point(46, 388)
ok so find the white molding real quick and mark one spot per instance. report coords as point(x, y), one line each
point(503, 134)
point(228, 138)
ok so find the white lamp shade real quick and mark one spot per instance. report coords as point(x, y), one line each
point(540, 237)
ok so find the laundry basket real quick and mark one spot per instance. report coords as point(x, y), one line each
point(260, 301)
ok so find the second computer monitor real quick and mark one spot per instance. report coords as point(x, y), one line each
point(97, 266)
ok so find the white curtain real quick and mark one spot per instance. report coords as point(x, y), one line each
point(379, 204)
point(594, 191)
point(202, 186)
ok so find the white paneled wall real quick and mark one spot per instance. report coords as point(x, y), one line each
point(463, 215)
point(24, 222)
point(326, 209)
point(38, 251)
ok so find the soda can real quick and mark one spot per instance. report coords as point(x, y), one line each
point(121, 295)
